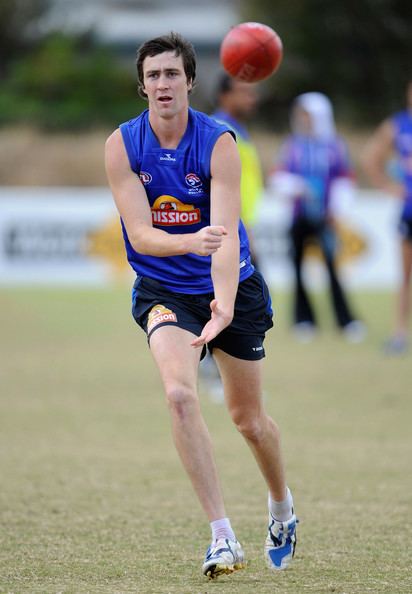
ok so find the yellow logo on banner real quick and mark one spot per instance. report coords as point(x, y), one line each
point(107, 243)
point(350, 245)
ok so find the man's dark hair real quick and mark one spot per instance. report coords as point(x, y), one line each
point(167, 43)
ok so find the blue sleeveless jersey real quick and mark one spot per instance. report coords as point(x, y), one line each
point(177, 184)
point(403, 145)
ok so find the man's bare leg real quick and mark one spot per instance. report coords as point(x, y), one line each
point(178, 363)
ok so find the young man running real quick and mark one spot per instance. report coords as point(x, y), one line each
point(175, 177)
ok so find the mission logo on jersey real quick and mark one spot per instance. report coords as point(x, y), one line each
point(167, 210)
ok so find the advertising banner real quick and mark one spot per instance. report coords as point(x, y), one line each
point(72, 236)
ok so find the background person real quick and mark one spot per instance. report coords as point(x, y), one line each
point(313, 168)
point(236, 102)
point(196, 285)
point(394, 136)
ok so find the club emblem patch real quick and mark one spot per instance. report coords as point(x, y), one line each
point(193, 180)
point(159, 314)
point(145, 177)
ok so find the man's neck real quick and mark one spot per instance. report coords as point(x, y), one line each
point(169, 132)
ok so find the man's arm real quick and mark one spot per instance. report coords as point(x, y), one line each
point(133, 206)
point(225, 209)
point(375, 156)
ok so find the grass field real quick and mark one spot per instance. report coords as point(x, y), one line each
point(93, 498)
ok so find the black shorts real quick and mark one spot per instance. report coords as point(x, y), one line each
point(154, 307)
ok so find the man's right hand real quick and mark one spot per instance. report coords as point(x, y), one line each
point(206, 241)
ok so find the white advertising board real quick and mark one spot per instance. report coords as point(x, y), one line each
point(59, 236)
point(72, 236)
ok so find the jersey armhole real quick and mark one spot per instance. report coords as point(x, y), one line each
point(209, 149)
point(130, 148)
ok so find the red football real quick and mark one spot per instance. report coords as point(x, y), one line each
point(251, 52)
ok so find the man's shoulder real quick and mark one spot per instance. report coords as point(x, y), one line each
point(136, 120)
point(208, 129)
point(205, 121)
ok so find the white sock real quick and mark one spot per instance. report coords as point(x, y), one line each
point(281, 510)
point(222, 529)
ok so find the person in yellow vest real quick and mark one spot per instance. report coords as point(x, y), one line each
point(236, 102)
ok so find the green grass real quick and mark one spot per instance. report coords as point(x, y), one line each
point(93, 498)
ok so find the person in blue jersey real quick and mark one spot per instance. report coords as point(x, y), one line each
point(394, 136)
point(175, 177)
point(312, 161)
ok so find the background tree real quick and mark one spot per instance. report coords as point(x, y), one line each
point(68, 82)
point(359, 52)
point(16, 18)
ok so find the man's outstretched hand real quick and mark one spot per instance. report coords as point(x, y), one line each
point(219, 321)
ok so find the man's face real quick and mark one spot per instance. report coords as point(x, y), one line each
point(242, 99)
point(302, 120)
point(165, 84)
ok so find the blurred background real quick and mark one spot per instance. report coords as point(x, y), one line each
point(89, 470)
point(67, 79)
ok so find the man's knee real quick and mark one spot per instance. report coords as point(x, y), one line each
point(253, 427)
point(180, 399)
